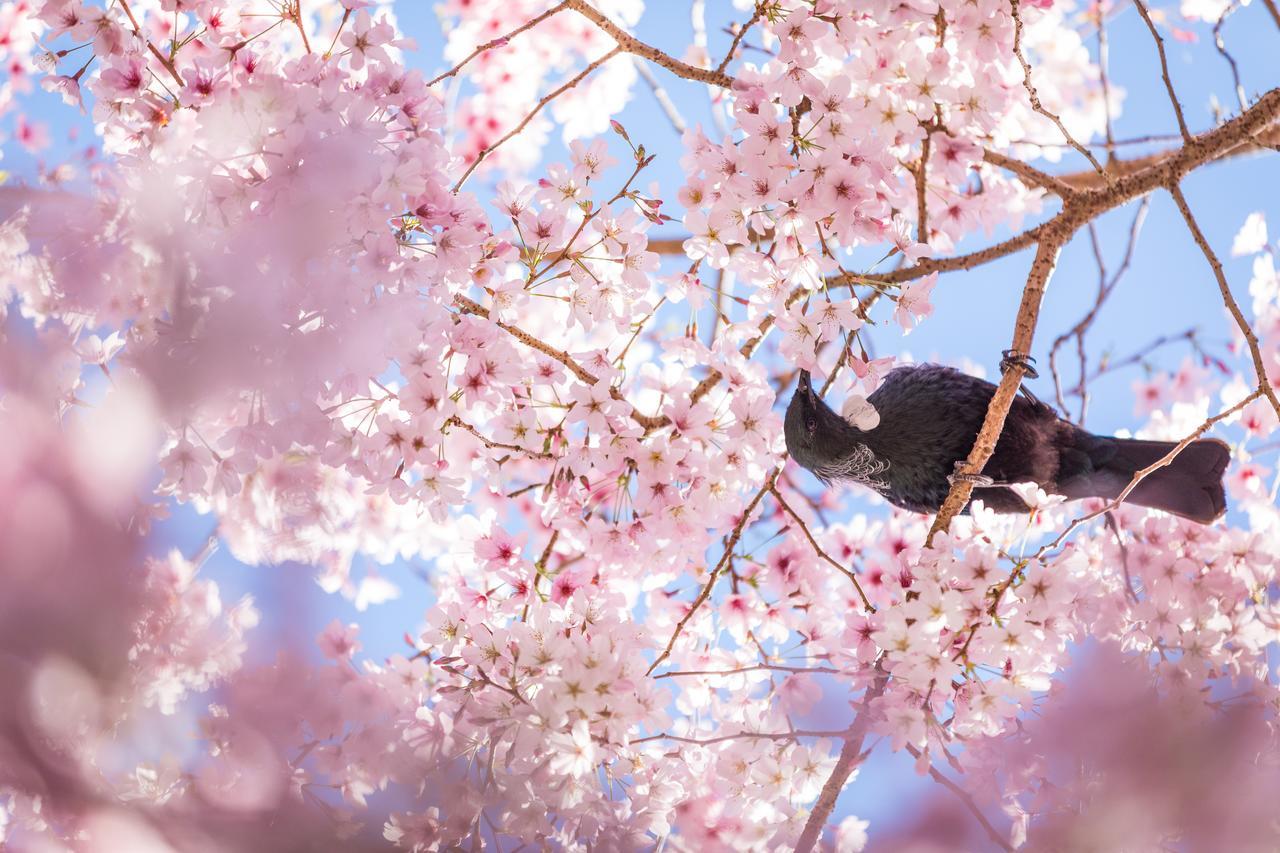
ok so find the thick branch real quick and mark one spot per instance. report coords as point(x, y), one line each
point(1023, 334)
point(1088, 179)
point(1134, 179)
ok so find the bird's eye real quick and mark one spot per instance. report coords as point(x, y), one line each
point(811, 424)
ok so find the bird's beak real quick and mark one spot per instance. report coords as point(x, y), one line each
point(806, 386)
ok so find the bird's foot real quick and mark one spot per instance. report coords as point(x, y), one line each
point(965, 477)
point(1011, 358)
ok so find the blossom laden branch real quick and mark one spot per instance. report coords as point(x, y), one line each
point(730, 543)
point(496, 445)
point(1139, 178)
point(585, 376)
point(164, 61)
point(808, 534)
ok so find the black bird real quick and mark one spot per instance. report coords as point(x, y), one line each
point(930, 416)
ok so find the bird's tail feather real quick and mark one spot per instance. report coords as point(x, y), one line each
point(1189, 486)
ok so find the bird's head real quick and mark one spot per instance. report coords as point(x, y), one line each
point(816, 435)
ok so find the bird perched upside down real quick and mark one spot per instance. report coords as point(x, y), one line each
point(930, 417)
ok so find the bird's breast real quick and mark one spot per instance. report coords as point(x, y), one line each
point(860, 465)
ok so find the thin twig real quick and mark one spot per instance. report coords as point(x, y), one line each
point(921, 175)
point(495, 445)
point(792, 735)
point(965, 798)
point(1028, 173)
point(1035, 98)
point(758, 667)
point(1259, 365)
point(737, 39)
point(500, 41)
point(1164, 69)
point(1105, 287)
point(137, 31)
point(551, 96)
point(804, 528)
point(730, 544)
point(1145, 472)
point(1221, 45)
point(294, 11)
point(630, 44)
point(1104, 62)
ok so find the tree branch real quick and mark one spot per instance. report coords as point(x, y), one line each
point(1028, 173)
point(1255, 352)
point(551, 96)
point(500, 41)
point(969, 804)
point(758, 667)
point(1023, 334)
point(730, 544)
point(850, 758)
point(469, 306)
point(630, 44)
point(1139, 476)
point(804, 528)
point(1164, 69)
point(737, 39)
point(1035, 98)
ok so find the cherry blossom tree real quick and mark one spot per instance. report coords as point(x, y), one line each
point(345, 308)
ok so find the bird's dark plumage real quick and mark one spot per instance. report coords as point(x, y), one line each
point(930, 417)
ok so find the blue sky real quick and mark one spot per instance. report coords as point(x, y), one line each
point(1168, 289)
